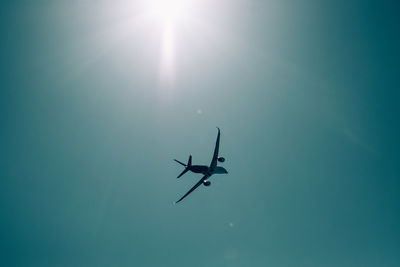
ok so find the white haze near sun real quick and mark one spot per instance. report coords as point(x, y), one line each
point(169, 32)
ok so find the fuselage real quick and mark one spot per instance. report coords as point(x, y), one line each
point(199, 169)
point(207, 170)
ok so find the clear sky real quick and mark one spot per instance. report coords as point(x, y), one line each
point(98, 97)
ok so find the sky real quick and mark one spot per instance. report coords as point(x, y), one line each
point(98, 97)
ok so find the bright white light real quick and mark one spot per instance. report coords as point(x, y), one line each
point(168, 11)
point(173, 34)
point(167, 55)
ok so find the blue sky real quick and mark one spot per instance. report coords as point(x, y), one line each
point(99, 97)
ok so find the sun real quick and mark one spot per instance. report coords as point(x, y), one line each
point(167, 25)
point(169, 11)
point(169, 14)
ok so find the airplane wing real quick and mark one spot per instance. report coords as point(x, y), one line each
point(193, 188)
point(215, 156)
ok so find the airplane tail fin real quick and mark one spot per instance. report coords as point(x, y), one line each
point(186, 166)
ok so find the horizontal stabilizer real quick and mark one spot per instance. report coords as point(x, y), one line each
point(182, 173)
point(187, 166)
point(183, 164)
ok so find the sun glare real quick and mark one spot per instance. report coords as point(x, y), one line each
point(168, 11)
point(181, 30)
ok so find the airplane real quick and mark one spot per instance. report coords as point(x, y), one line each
point(207, 171)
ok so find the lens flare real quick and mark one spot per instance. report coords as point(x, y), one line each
point(168, 11)
point(167, 55)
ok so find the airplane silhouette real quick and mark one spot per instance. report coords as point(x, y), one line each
point(207, 171)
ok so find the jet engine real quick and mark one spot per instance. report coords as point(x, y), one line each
point(207, 183)
point(221, 159)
